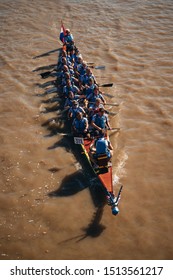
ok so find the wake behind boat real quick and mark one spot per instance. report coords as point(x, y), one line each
point(84, 105)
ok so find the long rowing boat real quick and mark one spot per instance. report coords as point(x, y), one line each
point(102, 168)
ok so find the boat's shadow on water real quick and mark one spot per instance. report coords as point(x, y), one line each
point(94, 229)
point(75, 183)
point(78, 181)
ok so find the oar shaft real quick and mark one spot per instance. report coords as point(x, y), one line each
point(118, 196)
point(112, 104)
point(109, 104)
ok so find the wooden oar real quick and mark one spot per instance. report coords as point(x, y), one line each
point(47, 53)
point(106, 85)
point(97, 67)
point(46, 74)
point(109, 104)
point(115, 128)
point(112, 104)
point(111, 113)
point(118, 196)
point(51, 90)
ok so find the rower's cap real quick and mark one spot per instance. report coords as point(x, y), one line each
point(115, 210)
point(68, 30)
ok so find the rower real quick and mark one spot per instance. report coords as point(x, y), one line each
point(74, 110)
point(87, 76)
point(100, 122)
point(62, 74)
point(71, 97)
point(94, 95)
point(89, 88)
point(80, 126)
point(81, 70)
point(66, 76)
point(69, 87)
point(94, 108)
point(101, 148)
point(68, 40)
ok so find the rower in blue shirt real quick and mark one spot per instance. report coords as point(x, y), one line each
point(74, 110)
point(71, 97)
point(94, 95)
point(69, 87)
point(68, 40)
point(100, 122)
point(87, 76)
point(100, 147)
point(103, 146)
point(80, 125)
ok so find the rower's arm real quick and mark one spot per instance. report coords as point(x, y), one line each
point(110, 145)
point(96, 126)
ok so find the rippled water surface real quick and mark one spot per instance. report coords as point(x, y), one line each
point(134, 40)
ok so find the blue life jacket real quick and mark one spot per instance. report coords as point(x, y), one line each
point(80, 125)
point(74, 111)
point(92, 97)
point(67, 89)
point(100, 120)
point(68, 38)
point(102, 147)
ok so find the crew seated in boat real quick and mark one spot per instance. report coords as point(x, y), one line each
point(69, 87)
point(92, 110)
point(81, 71)
point(80, 126)
point(89, 88)
point(74, 110)
point(64, 61)
point(61, 74)
point(100, 122)
point(73, 56)
point(71, 97)
point(68, 40)
point(87, 76)
point(100, 147)
point(67, 77)
point(94, 95)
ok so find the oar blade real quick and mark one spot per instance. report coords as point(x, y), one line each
point(45, 74)
point(99, 67)
point(106, 85)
